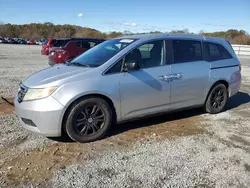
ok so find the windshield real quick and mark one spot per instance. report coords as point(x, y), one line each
point(101, 53)
point(45, 42)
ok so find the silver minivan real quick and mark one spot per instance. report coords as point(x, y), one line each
point(127, 78)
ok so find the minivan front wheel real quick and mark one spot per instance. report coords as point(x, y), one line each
point(88, 120)
point(217, 99)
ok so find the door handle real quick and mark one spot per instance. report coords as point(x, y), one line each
point(177, 75)
point(162, 78)
point(171, 77)
point(165, 77)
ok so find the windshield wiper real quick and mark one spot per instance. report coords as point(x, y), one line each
point(77, 64)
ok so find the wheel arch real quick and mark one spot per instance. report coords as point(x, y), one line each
point(225, 82)
point(80, 98)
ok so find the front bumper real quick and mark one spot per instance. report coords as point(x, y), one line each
point(45, 115)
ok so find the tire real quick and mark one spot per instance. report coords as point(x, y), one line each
point(83, 121)
point(217, 99)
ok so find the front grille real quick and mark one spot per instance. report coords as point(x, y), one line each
point(21, 93)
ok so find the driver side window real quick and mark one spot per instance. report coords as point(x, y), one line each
point(148, 55)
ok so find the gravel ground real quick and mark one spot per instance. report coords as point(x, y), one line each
point(186, 149)
point(18, 62)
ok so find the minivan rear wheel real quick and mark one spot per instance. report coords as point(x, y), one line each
point(217, 99)
point(88, 120)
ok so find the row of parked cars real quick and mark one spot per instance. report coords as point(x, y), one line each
point(65, 49)
point(7, 40)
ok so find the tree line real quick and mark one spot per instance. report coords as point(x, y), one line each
point(49, 30)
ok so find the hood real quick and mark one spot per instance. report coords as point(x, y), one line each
point(53, 76)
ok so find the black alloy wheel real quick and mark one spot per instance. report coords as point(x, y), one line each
point(217, 99)
point(88, 120)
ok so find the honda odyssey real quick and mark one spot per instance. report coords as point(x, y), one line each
point(128, 78)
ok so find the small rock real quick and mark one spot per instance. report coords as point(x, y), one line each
point(62, 167)
point(10, 167)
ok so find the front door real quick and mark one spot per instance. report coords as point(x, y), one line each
point(147, 90)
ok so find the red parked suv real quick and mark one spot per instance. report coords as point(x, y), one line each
point(65, 49)
point(46, 45)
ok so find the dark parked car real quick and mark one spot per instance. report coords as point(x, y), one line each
point(11, 41)
point(21, 41)
point(46, 46)
point(68, 48)
point(2, 40)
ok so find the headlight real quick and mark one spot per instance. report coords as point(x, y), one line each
point(33, 94)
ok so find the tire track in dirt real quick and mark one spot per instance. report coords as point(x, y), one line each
point(40, 164)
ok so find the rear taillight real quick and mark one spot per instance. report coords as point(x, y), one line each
point(59, 55)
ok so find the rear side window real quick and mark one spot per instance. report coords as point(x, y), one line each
point(60, 43)
point(52, 42)
point(215, 52)
point(85, 44)
point(187, 51)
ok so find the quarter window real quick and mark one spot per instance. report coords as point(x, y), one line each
point(92, 44)
point(187, 51)
point(117, 68)
point(216, 52)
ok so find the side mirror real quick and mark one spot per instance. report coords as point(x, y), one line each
point(131, 65)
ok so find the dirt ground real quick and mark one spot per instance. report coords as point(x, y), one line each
point(6, 108)
point(182, 149)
